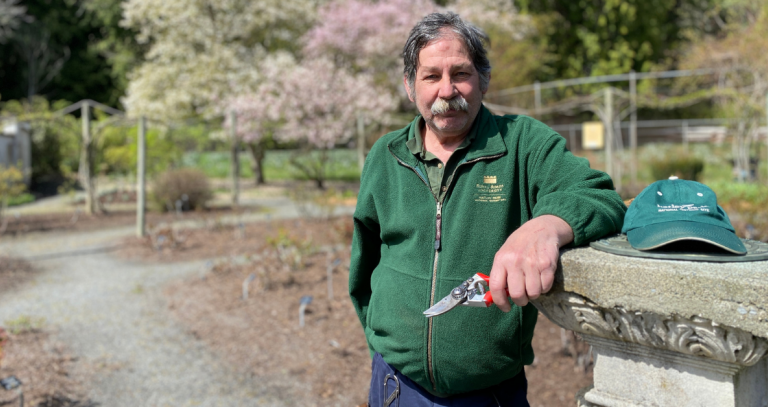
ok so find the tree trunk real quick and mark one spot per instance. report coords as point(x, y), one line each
point(257, 163)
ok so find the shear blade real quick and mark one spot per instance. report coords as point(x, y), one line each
point(446, 304)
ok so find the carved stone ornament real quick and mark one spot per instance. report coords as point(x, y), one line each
point(695, 336)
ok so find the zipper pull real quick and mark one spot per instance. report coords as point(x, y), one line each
point(439, 221)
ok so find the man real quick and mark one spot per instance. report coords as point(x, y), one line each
point(460, 191)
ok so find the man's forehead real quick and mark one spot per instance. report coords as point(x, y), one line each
point(458, 65)
point(454, 40)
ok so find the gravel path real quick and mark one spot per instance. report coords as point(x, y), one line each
point(112, 315)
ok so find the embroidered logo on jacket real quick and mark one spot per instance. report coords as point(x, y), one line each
point(489, 190)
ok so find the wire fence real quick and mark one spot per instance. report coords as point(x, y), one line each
point(676, 131)
point(106, 141)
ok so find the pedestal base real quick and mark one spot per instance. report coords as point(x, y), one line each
point(631, 375)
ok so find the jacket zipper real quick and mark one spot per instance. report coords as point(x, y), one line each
point(438, 245)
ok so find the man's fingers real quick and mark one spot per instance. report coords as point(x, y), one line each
point(548, 268)
point(516, 287)
point(497, 283)
point(532, 283)
point(547, 280)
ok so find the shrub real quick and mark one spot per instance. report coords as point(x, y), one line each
point(684, 167)
point(11, 186)
point(190, 186)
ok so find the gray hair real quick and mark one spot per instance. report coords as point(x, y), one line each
point(429, 29)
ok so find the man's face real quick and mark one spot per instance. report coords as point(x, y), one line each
point(446, 72)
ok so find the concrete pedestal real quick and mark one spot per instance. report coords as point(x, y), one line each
point(629, 375)
point(666, 333)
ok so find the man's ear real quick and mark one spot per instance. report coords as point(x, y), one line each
point(407, 88)
point(489, 84)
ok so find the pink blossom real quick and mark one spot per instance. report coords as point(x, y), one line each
point(314, 103)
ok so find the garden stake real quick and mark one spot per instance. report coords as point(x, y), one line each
point(247, 281)
point(329, 271)
point(305, 300)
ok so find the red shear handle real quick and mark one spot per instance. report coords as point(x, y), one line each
point(488, 298)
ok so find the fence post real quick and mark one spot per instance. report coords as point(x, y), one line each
point(85, 158)
point(633, 128)
point(360, 141)
point(537, 98)
point(141, 201)
point(685, 136)
point(235, 159)
point(608, 125)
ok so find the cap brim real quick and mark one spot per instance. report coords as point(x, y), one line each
point(659, 234)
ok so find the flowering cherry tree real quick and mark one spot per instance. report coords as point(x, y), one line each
point(367, 36)
point(314, 104)
point(258, 113)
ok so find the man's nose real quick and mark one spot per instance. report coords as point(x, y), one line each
point(447, 89)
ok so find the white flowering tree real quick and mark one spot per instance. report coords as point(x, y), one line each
point(202, 52)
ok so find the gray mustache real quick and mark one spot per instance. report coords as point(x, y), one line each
point(441, 105)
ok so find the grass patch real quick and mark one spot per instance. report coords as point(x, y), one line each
point(24, 323)
point(342, 165)
point(21, 199)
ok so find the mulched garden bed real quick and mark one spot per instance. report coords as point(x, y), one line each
point(46, 370)
point(328, 357)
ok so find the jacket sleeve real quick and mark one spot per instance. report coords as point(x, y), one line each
point(366, 245)
point(564, 185)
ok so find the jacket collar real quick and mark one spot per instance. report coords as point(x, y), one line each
point(488, 140)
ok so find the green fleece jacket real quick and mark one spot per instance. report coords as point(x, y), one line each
point(409, 250)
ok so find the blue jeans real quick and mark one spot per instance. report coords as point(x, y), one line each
point(510, 393)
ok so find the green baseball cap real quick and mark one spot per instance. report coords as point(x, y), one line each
point(673, 210)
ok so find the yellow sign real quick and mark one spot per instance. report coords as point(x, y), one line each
point(592, 135)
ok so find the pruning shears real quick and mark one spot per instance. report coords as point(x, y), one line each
point(471, 293)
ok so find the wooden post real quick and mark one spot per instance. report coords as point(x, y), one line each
point(633, 128)
point(685, 136)
point(235, 159)
point(141, 201)
point(537, 98)
point(360, 141)
point(608, 125)
point(86, 160)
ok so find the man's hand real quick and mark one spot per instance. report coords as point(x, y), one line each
point(527, 261)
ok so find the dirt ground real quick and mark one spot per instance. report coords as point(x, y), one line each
point(14, 272)
point(261, 336)
point(43, 365)
point(78, 221)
